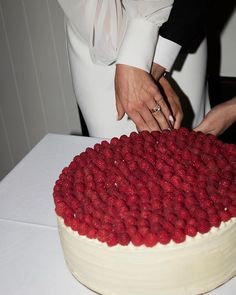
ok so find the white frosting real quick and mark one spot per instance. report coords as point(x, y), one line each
point(196, 266)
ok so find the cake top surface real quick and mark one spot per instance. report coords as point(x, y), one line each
point(149, 188)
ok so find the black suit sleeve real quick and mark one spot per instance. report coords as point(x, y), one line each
point(186, 24)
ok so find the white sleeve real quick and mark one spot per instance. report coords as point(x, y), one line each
point(166, 52)
point(139, 42)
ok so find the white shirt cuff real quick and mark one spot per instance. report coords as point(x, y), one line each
point(166, 53)
point(138, 46)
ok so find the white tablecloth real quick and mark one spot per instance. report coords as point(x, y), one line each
point(31, 259)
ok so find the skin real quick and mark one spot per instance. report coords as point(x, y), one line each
point(219, 118)
point(137, 94)
point(173, 101)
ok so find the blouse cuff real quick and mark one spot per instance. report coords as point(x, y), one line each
point(166, 53)
point(139, 44)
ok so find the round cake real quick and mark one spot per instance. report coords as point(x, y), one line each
point(150, 213)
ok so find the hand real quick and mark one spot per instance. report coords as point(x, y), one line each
point(173, 101)
point(219, 118)
point(136, 95)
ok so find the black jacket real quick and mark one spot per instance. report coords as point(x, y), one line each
point(186, 24)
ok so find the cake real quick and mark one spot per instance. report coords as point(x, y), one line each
point(150, 213)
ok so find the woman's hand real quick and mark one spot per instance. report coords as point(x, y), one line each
point(219, 118)
point(138, 96)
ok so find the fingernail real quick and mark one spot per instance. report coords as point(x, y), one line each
point(171, 119)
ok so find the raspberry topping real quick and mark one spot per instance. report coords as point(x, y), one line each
point(149, 188)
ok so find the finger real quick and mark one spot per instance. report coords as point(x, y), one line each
point(161, 120)
point(205, 128)
point(120, 109)
point(201, 127)
point(149, 119)
point(163, 115)
point(178, 120)
point(138, 120)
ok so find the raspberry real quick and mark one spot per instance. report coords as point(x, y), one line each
point(60, 208)
point(88, 219)
point(119, 227)
point(107, 226)
point(211, 210)
point(171, 218)
point(145, 213)
point(216, 198)
point(167, 201)
point(123, 239)
point(96, 223)
point(203, 226)
point(229, 175)
point(225, 183)
point(180, 224)
point(163, 237)
point(150, 239)
point(156, 204)
point(226, 201)
point(190, 230)
point(83, 229)
point(167, 186)
point(102, 235)
point(225, 215)
point(189, 201)
point(132, 230)
point(155, 227)
point(207, 203)
point(232, 210)
point(137, 239)
point(143, 230)
point(57, 197)
point(120, 203)
point(176, 180)
point(92, 233)
point(214, 220)
point(143, 222)
point(130, 190)
point(192, 221)
point(169, 227)
point(184, 214)
point(186, 154)
point(112, 240)
point(145, 166)
point(178, 236)
point(144, 193)
point(68, 220)
point(114, 141)
point(187, 187)
point(132, 165)
point(180, 197)
point(132, 200)
point(201, 214)
point(107, 152)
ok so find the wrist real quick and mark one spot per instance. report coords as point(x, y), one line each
point(157, 71)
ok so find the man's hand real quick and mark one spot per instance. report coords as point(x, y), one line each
point(173, 101)
point(172, 98)
point(137, 95)
point(219, 118)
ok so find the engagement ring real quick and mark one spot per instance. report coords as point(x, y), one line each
point(157, 108)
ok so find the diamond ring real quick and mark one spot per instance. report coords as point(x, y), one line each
point(157, 108)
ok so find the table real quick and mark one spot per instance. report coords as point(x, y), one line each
point(31, 258)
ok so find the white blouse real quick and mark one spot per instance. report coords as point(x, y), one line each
point(117, 31)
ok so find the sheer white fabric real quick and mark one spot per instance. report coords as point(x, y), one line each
point(104, 24)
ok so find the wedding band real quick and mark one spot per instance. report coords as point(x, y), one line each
point(157, 108)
